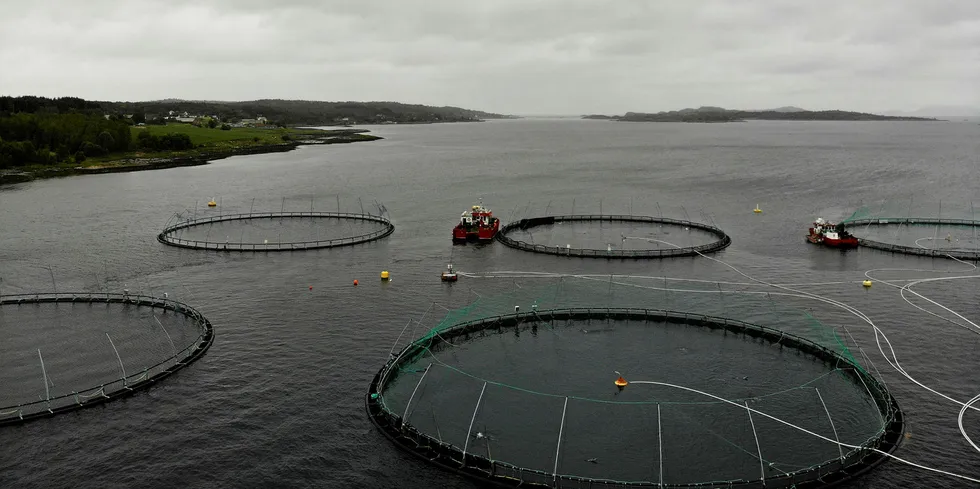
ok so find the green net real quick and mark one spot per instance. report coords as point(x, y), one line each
point(912, 208)
point(919, 227)
point(830, 339)
point(530, 396)
point(617, 292)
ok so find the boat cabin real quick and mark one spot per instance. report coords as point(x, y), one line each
point(477, 216)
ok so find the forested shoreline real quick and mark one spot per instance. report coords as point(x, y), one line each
point(40, 131)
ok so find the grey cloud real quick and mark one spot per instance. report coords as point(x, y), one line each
point(541, 56)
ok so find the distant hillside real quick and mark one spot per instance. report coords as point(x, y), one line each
point(303, 112)
point(284, 112)
point(48, 132)
point(718, 114)
point(939, 111)
point(788, 108)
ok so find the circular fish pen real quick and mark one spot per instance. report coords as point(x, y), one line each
point(264, 231)
point(62, 351)
point(918, 228)
point(949, 237)
point(621, 230)
point(528, 398)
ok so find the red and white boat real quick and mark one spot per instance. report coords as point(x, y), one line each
point(449, 275)
point(830, 234)
point(476, 224)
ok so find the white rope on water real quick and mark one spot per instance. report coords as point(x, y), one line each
point(895, 364)
point(959, 421)
point(532, 274)
point(912, 282)
point(660, 443)
point(880, 335)
point(908, 288)
point(758, 448)
point(804, 430)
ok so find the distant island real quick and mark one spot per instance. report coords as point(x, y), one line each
point(719, 114)
point(44, 137)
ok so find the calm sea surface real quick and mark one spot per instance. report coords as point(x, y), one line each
point(278, 401)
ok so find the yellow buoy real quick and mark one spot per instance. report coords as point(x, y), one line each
point(757, 210)
point(866, 283)
point(384, 275)
point(621, 382)
point(212, 203)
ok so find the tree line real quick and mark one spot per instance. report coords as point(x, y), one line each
point(38, 130)
point(46, 138)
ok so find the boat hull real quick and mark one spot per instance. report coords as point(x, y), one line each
point(484, 235)
point(832, 239)
point(841, 243)
point(449, 277)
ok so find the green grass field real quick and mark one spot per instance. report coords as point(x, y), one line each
point(207, 143)
point(208, 140)
point(216, 138)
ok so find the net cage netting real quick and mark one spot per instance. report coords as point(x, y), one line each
point(916, 226)
point(618, 228)
point(66, 351)
point(723, 389)
point(243, 227)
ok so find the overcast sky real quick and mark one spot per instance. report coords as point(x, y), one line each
point(512, 56)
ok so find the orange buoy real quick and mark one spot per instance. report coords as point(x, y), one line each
point(621, 382)
point(355, 281)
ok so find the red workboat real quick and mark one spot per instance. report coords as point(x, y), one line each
point(830, 234)
point(476, 224)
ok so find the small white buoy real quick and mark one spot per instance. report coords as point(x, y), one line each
point(517, 308)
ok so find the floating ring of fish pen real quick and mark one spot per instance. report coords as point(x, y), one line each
point(961, 254)
point(721, 243)
point(448, 449)
point(169, 235)
point(126, 384)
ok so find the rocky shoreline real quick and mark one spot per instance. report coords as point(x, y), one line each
point(194, 158)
